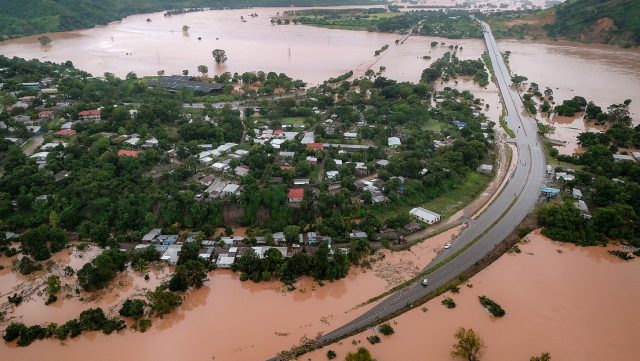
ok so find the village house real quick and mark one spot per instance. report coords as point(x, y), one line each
point(393, 142)
point(425, 215)
point(90, 115)
point(295, 195)
point(45, 114)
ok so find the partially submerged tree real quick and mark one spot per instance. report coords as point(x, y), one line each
point(44, 40)
point(220, 56)
point(469, 345)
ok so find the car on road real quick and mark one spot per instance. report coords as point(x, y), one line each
point(425, 282)
point(447, 246)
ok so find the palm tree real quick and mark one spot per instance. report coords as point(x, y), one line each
point(469, 345)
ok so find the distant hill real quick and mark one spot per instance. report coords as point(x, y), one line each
point(28, 17)
point(599, 21)
point(603, 21)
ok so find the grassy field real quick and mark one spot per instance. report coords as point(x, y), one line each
point(348, 22)
point(448, 203)
point(293, 120)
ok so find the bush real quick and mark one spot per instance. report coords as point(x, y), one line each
point(144, 325)
point(449, 303)
point(386, 329)
point(491, 306)
point(374, 339)
point(27, 266)
point(13, 331)
point(133, 308)
point(622, 255)
point(16, 299)
point(331, 354)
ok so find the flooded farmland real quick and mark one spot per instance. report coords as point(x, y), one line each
point(553, 297)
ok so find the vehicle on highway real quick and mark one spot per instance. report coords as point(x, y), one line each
point(425, 282)
point(447, 246)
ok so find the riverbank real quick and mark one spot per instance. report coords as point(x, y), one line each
point(546, 297)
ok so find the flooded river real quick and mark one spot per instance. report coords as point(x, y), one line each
point(309, 53)
point(576, 303)
point(603, 74)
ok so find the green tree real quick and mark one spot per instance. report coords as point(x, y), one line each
point(203, 69)
point(544, 357)
point(361, 355)
point(220, 56)
point(162, 301)
point(469, 345)
point(291, 233)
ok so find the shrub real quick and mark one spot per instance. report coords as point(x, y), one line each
point(386, 329)
point(622, 255)
point(331, 354)
point(374, 339)
point(449, 303)
point(144, 325)
point(133, 308)
point(491, 306)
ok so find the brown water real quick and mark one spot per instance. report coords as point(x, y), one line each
point(226, 319)
point(576, 303)
point(600, 73)
point(309, 53)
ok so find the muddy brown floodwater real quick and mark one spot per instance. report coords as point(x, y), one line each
point(603, 74)
point(576, 303)
point(309, 53)
point(226, 319)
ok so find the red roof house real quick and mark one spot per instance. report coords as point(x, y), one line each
point(128, 153)
point(296, 195)
point(90, 114)
point(66, 132)
point(316, 146)
point(45, 114)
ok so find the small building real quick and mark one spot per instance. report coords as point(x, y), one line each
point(636, 155)
point(382, 162)
point(358, 235)
point(300, 182)
point(485, 169)
point(459, 124)
point(46, 114)
point(332, 174)
point(230, 189)
point(425, 215)
point(576, 193)
point(623, 157)
point(172, 253)
point(241, 170)
point(351, 135)
point(565, 176)
point(295, 195)
point(285, 154)
point(312, 160)
point(90, 115)
point(584, 210)
point(308, 138)
point(393, 142)
point(550, 192)
point(315, 146)
point(128, 153)
point(153, 234)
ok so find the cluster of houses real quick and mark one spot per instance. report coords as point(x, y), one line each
point(566, 175)
point(225, 251)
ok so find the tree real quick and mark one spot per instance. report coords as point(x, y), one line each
point(185, 28)
point(291, 233)
point(162, 301)
point(203, 69)
point(517, 80)
point(133, 308)
point(44, 40)
point(469, 345)
point(544, 357)
point(386, 329)
point(220, 56)
point(362, 355)
point(53, 287)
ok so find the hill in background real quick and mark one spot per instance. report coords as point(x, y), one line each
point(601, 21)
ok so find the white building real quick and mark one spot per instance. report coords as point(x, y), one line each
point(425, 215)
point(393, 142)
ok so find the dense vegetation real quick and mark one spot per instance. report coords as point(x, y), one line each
point(449, 66)
point(491, 306)
point(451, 24)
point(26, 17)
point(610, 188)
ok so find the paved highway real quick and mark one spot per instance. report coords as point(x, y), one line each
point(518, 198)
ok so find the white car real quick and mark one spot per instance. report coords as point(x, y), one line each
point(425, 282)
point(447, 246)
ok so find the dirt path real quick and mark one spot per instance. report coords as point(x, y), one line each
point(32, 144)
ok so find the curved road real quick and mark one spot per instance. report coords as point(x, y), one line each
point(518, 198)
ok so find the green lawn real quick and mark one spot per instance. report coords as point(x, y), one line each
point(293, 120)
point(448, 203)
